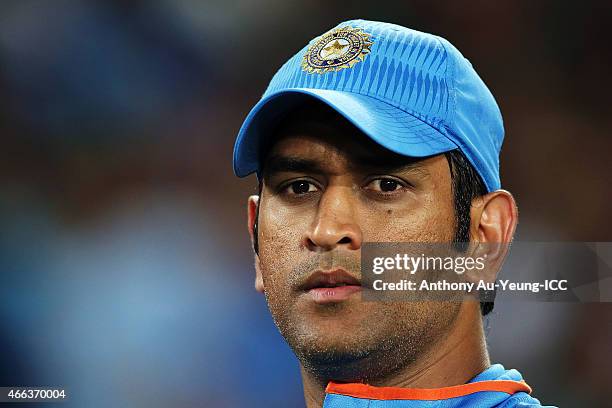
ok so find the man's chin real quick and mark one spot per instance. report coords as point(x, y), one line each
point(332, 361)
point(339, 331)
point(348, 350)
point(330, 348)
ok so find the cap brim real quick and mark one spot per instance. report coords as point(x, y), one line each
point(387, 125)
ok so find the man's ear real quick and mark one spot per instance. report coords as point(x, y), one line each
point(494, 217)
point(253, 214)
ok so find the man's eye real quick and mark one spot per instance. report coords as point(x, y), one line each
point(300, 187)
point(385, 185)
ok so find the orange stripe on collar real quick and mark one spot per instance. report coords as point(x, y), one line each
point(359, 390)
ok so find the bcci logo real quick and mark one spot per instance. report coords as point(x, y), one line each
point(339, 48)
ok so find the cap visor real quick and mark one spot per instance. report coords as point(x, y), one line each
point(387, 125)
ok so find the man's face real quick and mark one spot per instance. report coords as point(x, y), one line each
point(327, 189)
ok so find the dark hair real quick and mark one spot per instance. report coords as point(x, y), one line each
point(466, 184)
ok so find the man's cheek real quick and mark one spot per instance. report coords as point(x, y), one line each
point(427, 226)
point(281, 239)
point(276, 262)
point(277, 230)
point(398, 230)
point(274, 270)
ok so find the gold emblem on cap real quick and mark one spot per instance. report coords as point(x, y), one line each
point(339, 48)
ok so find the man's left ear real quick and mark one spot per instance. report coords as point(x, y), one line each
point(494, 217)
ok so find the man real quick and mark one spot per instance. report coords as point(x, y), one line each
point(376, 133)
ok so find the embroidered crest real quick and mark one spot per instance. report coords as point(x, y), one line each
point(339, 48)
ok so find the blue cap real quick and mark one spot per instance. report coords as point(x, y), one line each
point(411, 92)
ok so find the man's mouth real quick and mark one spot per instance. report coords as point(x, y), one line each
point(331, 286)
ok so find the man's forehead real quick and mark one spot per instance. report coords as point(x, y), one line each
point(297, 154)
point(332, 140)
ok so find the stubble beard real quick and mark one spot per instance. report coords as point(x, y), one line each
point(388, 340)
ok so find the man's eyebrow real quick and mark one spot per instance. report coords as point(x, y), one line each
point(277, 164)
point(391, 164)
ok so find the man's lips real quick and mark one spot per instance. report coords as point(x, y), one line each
point(330, 286)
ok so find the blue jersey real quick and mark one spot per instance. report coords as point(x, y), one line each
point(494, 387)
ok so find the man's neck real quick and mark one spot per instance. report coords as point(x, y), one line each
point(454, 359)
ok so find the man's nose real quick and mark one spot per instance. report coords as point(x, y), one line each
point(335, 223)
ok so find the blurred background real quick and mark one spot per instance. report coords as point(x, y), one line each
point(126, 272)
